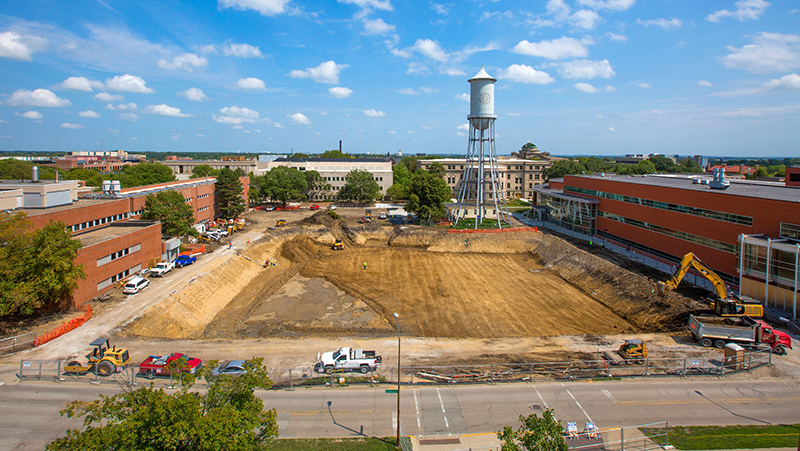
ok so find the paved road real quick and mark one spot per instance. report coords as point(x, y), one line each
point(29, 416)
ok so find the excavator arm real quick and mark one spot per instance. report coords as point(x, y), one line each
point(691, 261)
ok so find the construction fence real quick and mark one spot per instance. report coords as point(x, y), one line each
point(66, 327)
point(10, 345)
point(460, 374)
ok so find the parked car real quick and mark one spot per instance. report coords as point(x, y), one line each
point(135, 285)
point(331, 207)
point(162, 268)
point(184, 260)
point(157, 365)
point(269, 208)
point(382, 215)
point(314, 207)
point(232, 368)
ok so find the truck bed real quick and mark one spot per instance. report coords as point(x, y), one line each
point(723, 328)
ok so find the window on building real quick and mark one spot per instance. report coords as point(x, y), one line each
point(789, 230)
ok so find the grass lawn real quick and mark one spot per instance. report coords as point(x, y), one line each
point(332, 444)
point(469, 223)
point(729, 437)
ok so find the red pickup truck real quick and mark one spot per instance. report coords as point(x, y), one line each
point(157, 365)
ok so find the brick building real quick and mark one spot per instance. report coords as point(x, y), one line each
point(749, 232)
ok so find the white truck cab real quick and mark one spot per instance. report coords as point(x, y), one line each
point(347, 359)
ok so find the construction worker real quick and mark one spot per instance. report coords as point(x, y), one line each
point(248, 240)
point(365, 266)
point(230, 244)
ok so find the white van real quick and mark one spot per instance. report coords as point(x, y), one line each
point(135, 285)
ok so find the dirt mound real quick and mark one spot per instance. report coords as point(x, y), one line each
point(319, 218)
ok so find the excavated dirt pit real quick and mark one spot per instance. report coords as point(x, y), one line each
point(442, 285)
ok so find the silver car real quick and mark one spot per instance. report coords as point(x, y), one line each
point(233, 368)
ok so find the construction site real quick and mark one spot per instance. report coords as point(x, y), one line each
point(292, 283)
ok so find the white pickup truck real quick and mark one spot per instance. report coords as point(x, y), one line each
point(162, 268)
point(347, 359)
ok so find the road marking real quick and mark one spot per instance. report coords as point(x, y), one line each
point(444, 413)
point(540, 397)
point(416, 403)
point(725, 400)
point(579, 404)
point(394, 422)
point(608, 393)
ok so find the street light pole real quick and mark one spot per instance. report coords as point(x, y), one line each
point(398, 379)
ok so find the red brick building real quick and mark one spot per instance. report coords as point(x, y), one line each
point(667, 217)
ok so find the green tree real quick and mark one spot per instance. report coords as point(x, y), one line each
point(534, 434)
point(563, 167)
point(146, 174)
point(230, 189)
point(203, 170)
point(662, 163)
point(761, 171)
point(427, 194)
point(283, 184)
point(360, 186)
point(402, 183)
point(37, 267)
point(335, 154)
point(594, 164)
point(92, 177)
point(171, 209)
point(315, 184)
point(225, 416)
point(13, 169)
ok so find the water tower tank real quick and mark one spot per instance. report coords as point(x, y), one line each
point(481, 99)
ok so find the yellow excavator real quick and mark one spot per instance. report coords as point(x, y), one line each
point(723, 305)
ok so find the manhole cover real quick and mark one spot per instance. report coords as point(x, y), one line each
point(535, 407)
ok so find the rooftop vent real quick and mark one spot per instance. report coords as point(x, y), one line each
point(718, 180)
point(35, 174)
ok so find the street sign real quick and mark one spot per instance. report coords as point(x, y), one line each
point(391, 390)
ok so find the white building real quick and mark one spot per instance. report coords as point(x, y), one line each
point(335, 170)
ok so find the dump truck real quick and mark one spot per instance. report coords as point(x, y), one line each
point(104, 359)
point(338, 245)
point(717, 332)
point(725, 304)
point(347, 359)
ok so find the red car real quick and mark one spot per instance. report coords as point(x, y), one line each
point(157, 365)
point(314, 207)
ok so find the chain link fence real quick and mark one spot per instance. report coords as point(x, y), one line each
point(10, 345)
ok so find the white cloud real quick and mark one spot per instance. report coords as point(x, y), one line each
point(611, 129)
point(264, 7)
point(585, 87)
point(452, 72)
point(81, 84)
point(644, 85)
point(71, 126)
point(610, 88)
point(106, 97)
point(327, 72)
point(587, 69)
point(586, 19)
point(210, 48)
point(37, 97)
point(184, 61)
point(443, 9)
point(89, 113)
point(789, 82)
point(236, 115)
point(463, 96)
point(340, 92)
point(130, 117)
point(377, 27)
point(374, 113)
point(193, 94)
point(384, 5)
point(165, 110)
point(299, 119)
point(555, 49)
point(705, 83)
point(610, 5)
point(35, 115)
point(113, 131)
point(122, 107)
point(664, 24)
point(617, 37)
point(521, 73)
point(128, 83)
point(408, 92)
point(431, 49)
point(18, 47)
point(463, 127)
point(250, 84)
point(770, 52)
point(745, 9)
point(3, 122)
point(242, 51)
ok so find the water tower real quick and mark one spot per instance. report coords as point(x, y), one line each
point(480, 185)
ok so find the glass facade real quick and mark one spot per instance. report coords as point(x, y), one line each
point(572, 214)
point(672, 232)
point(711, 214)
point(789, 230)
point(782, 262)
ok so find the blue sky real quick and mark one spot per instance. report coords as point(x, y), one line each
point(575, 77)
